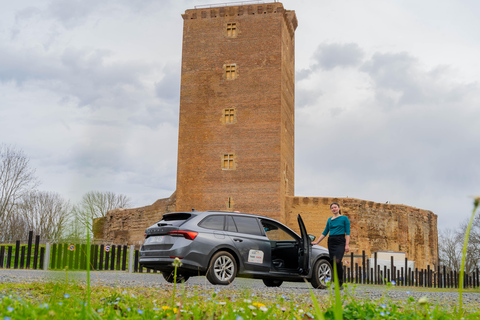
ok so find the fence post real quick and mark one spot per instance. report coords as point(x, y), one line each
point(29, 248)
point(124, 258)
point(131, 252)
point(35, 252)
point(351, 266)
point(2, 256)
point(363, 267)
point(46, 260)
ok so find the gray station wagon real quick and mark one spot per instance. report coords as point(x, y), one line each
point(225, 245)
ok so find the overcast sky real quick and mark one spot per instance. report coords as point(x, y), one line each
point(387, 98)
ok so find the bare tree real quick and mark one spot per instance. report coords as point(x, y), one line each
point(450, 246)
point(45, 213)
point(96, 204)
point(449, 249)
point(17, 178)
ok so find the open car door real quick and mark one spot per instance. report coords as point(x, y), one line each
point(305, 248)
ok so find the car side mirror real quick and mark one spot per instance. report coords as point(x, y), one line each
point(312, 237)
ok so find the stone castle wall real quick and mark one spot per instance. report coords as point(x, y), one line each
point(127, 226)
point(374, 226)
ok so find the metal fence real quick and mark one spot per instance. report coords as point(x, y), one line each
point(61, 256)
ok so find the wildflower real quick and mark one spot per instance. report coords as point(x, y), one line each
point(7, 318)
point(66, 296)
point(100, 310)
point(155, 309)
point(133, 296)
point(238, 317)
point(166, 308)
point(177, 262)
point(60, 303)
point(258, 305)
point(124, 292)
point(383, 306)
point(252, 307)
point(382, 313)
point(140, 311)
point(393, 282)
point(264, 309)
point(409, 292)
point(9, 309)
point(222, 303)
point(301, 311)
point(423, 300)
point(247, 300)
point(128, 309)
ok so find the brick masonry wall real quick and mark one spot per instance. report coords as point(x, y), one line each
point(262, 95)
point(374, 226)
point(127, 226)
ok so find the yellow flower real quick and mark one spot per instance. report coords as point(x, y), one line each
point(166, 308)
point(258, 305)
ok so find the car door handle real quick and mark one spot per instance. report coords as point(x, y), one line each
point(237, 240)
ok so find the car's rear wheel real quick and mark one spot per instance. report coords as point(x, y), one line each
point(170, 277)
point(222, 269)
point(321, 274)
point(272, 282)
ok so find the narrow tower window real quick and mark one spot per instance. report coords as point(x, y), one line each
point(229, 115)
point(230, 71)
point(231, 30)
point(227, 161)
point(229, 203)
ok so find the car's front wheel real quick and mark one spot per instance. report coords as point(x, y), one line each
point(170, 277)
point(272, 282)
point(222, 269)
point(321, 274)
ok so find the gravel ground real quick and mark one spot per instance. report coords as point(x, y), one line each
point(299, 292)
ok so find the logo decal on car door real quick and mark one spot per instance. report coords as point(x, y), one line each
point(255, 256)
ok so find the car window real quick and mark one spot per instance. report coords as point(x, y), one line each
point(230, 224)
point(248, 225)
point(277, 232)
point(215, 222)
point(174, 219)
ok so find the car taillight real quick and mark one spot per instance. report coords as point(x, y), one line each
point(190, 235)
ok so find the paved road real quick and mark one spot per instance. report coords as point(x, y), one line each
point(292, 290)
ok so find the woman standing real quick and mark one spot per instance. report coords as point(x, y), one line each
point(339, 239)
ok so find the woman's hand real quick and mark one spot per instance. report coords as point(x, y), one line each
point(347, 248)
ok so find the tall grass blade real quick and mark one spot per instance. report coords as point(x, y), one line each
point(464, 254)
point(316, 305)
point(338, 309)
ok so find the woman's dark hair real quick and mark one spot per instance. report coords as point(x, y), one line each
point(335, 203)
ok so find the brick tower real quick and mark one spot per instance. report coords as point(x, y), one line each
point(236, 130)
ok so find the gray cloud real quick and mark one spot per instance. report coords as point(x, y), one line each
point(412, 143)
point(334, 55)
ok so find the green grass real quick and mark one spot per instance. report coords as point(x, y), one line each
point(68, 300)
